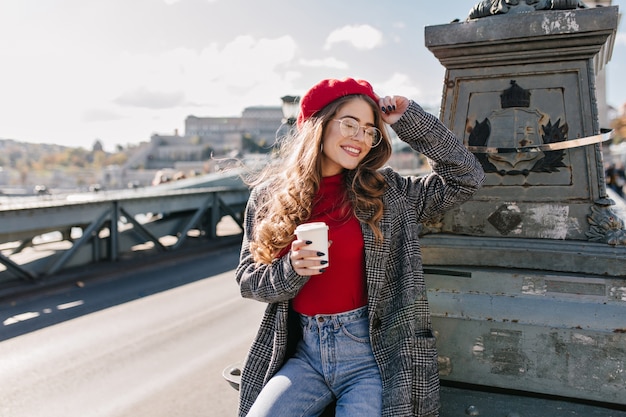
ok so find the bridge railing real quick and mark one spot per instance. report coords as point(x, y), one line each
point(38, 239)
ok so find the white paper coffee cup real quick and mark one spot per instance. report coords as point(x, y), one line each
point(317, 233)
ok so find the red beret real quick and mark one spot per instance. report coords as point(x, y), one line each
point(327, 91)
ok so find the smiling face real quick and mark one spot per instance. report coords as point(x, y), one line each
point(339, 152)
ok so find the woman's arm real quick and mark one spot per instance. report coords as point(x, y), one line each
point(268, 283)
point(456, 173)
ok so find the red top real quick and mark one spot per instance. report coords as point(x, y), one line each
point(342, 286)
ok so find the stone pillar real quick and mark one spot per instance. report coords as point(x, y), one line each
point(518, 88)
point(527, 281)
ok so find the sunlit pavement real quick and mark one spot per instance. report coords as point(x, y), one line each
point(154, 344)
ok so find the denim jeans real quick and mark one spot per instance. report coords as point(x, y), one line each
point(333, 361)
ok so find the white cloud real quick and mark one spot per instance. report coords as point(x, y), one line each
point(99, 115)
point(362, 37)
point(398, 84)
point(150, 99)
point(244, 71)
point(134, 95)
point(325, 63)
point(231, 75)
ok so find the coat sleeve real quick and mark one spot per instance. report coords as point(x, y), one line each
point(268, 283)
point(456, 173)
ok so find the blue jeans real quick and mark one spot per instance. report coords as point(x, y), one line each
point(333, 361)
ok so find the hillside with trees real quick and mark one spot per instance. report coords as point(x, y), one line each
point(26, 165)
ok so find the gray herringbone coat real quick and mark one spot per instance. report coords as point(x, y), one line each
point(400, 325)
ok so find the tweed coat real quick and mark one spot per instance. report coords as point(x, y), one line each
point(400, 326)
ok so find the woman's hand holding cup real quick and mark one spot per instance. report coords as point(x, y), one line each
point(309, 252)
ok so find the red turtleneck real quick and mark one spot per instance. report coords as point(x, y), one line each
point(342, 286)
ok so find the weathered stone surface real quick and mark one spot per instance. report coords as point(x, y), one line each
point(517, 84)
point(527, 281)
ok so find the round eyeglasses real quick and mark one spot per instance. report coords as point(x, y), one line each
point(349, 128)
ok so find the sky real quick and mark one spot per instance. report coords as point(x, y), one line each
point(118, 71)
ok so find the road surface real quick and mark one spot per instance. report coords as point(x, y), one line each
point(161, 354)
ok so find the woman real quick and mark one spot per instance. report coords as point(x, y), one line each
point(357, 330)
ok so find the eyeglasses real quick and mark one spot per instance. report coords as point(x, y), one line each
point(349, 128)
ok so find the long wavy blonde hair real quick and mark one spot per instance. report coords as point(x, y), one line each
point(290, 184)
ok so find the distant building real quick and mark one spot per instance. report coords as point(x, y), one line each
point(214, 136)
point(97, 146)
point(166, 150)
point(226, 134)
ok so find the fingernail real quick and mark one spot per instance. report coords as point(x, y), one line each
point(383, 109)
point(323, 262)
point(389, 108)
point(320, 254)
point(323, 270)
point(308, 242)
point(394, 106)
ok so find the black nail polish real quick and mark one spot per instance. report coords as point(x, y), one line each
point(320, 254)
point(323, 262)
point(394, 106)
point(323, 270)
point(389, 108)
point(308, 242)
point(383, 109)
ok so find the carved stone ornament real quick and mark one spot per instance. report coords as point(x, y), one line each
point(493, 7)
point(605, 224)
point(515, 126)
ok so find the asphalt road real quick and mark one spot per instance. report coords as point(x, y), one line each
point(150, 341)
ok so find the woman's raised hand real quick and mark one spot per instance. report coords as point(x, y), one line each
point(393, 107)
